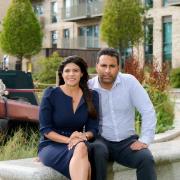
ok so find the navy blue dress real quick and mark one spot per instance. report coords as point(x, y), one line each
point(56, 114)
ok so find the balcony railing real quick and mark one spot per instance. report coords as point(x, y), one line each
point(83, 10)
point(81, 42)
point(174, 2)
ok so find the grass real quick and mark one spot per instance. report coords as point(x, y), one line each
point(22, 144)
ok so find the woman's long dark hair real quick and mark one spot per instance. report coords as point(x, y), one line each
point(87, 94)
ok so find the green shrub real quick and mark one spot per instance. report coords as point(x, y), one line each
point(164, 109)
point(91, 70)
point(47, 72)
point(175, 78)
point(156, 82)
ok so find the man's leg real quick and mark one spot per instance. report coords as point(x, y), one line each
point(146, 166)
point(99, 159)
point(141, 160)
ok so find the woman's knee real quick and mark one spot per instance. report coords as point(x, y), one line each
point(81, 150)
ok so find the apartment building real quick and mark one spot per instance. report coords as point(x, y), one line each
point(162, 31)
point(72, 27)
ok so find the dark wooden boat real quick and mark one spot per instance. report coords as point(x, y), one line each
point(18, 111)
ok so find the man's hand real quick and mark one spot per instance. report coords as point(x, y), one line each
point(137, 145)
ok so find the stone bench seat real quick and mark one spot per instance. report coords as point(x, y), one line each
point(167, 159)
point(166, 154)
point(27, 169)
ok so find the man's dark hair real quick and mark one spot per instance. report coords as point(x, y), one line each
point(108, 51)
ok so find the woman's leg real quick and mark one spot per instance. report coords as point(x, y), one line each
point(79, 166)
point(89, 172)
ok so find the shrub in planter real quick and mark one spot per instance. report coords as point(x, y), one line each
point(175, 78)
point(164, 108)
point(91, 70)
point(132, 66)
point(156, 82)
point(49, 66)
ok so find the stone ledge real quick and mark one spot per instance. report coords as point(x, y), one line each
point(167, 136)
point(167, 158)
point(175, 90)
point(166, 155)
point(172, 133)
point(27, 169)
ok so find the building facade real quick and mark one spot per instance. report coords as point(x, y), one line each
point(72, 27)
point(162, 31)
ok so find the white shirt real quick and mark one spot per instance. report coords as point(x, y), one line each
point(117, 109)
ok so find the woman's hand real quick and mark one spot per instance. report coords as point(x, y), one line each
point(73, 142)
point(79, 135)
point(75, 138)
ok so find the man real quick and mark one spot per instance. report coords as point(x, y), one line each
point(120, 94)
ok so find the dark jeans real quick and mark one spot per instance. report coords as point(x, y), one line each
point(103, 150)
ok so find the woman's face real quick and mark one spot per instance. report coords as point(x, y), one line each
point(72, 74)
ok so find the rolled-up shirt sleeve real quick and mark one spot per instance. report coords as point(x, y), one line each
point(92, 124)
point(45, 113)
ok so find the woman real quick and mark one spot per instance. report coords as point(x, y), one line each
point(68, 120)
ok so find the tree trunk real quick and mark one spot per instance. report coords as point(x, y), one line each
point(121, 60)
point(18, 65)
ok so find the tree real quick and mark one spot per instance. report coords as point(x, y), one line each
point(21, 35)
point(121, 24)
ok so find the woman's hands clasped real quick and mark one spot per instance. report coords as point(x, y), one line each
point(75, 138)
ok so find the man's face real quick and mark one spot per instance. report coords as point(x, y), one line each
point(107, 69)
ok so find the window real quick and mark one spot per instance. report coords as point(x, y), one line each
point(54, 12)
point(54, 39)
point(149, 3)
point(148, 41)
point(38, 9)
point(66, 33)
point(81, 1)
point(125, 54)
point(67, 5)
point(66, 40)
point(167, 38)
point(165, 2)
point(128, 51)
point(89, 36)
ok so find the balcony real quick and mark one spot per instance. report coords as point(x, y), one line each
point(81, 42)
point(173, 2)
point(83, 11)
